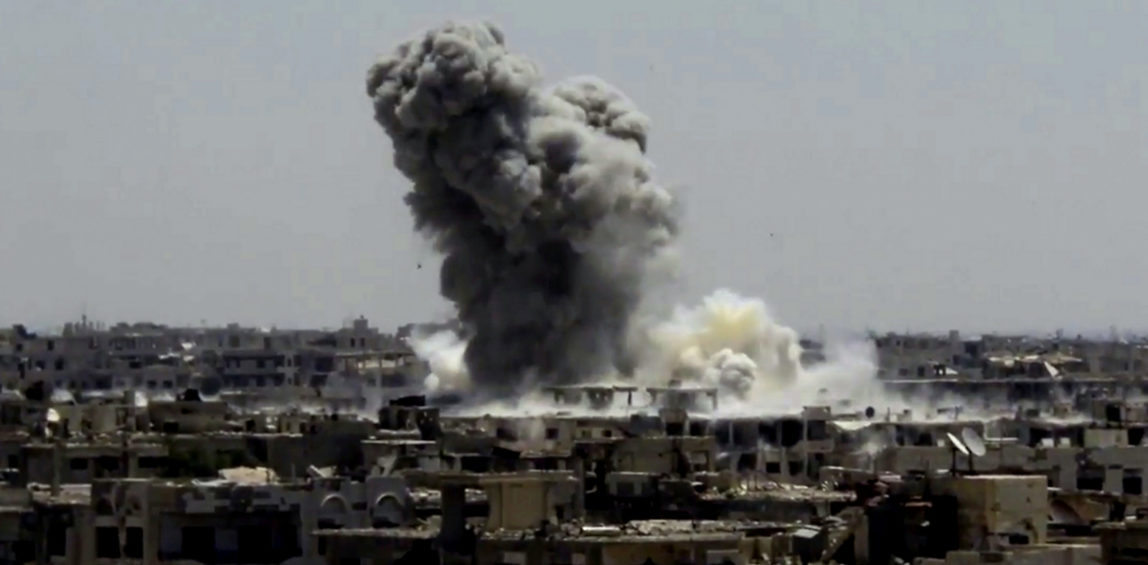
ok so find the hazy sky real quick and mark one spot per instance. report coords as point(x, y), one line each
point(887, 165)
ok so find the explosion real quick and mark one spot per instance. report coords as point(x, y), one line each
point(541, 200)
point(552, 228)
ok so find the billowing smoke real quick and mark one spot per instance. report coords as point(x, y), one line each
point(728, 341)
point(735, 344)
point(541, 200)
point(443, 351)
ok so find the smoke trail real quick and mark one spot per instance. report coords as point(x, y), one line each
point(541, 200)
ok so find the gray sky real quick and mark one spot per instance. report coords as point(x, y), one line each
point(890, 165)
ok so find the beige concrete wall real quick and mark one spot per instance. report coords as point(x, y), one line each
point(999, 505)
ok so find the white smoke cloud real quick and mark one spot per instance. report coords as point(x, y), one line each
point(727, 340)
point(734, 343)
point(443, 352)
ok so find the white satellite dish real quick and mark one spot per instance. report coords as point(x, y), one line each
point(973, 442)
point(956, 444)
point(52, 416)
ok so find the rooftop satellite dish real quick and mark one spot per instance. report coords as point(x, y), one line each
point(52, 416)
point(973, 442)
point(956, 444)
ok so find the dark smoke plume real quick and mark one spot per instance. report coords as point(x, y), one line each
point(542, 201)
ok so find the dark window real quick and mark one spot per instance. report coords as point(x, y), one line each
point(133, 544)
point(768, 432)
point(551, 433)
point(1090, 482)
point(747, 462)
point(150, 462)
point(773, 467)
point(51, 345)
point(108, 542)
point(23, 551)
point(1135, 436)
point(60, 364)
point(57, 540)
point(107, 463)
point(13, 461)
point(254, 544)
point(476, 464)
point(795, 468)
point(1133, 484)
point(198, 543)
point(1036, 436)
point(790, 432)
point(78, 464)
